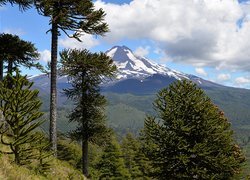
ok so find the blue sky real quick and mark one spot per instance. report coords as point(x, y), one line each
point(207, 38)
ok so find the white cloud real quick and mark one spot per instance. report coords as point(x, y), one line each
point(224, 77)
point(17, 31)
point(45, 55)
point(88, 41)
point(142, 51)
point(197, 32)
point(241, 81)
point(201, 71)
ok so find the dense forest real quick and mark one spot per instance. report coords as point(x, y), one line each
point(186, 137)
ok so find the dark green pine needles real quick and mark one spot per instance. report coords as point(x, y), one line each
point(86, 71)
point(111, 164)
point(69, 16)
point(15, 52)
point(20, 109)
point(190, 138)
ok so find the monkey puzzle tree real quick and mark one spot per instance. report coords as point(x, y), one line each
point(23, 4)
point(111, 164)
point(20, 109)
point(86, 71)
point(15, 52)
point(67, 15)
point(190, 138)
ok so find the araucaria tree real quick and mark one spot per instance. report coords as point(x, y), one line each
point(111, 164)
point(15, 52)
point(67, 15)
point(20, 108)
point(86, 71)
point(23, 4)
point(190, 138)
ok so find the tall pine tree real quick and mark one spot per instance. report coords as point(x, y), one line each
point(190, 138)
point(67, 15)
point(135, 160)
point(15, 52)
point(20, 108)
point(111, 164)
point(86, 71)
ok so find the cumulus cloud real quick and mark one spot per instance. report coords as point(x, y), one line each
point(142, 51)
point(201, 71)
point(242, 81)
point(45, 55)
point(197, 32)
point(88, 41)
point(224, 77)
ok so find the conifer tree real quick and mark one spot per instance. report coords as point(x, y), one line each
point(67, 15)
point(16, 52)
point(23, 4)
point(86, 71)
point(111, 164)
point(190, 138)
point(20, 108)
point(131, 153)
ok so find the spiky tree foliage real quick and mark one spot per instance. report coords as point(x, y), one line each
point(15, 52)
point(111, 164)
point(20, 109)
point(86, 71)
point(133, 156)
point(23, 4)
point(43, 153)
point(67, 15)
point(190, 138)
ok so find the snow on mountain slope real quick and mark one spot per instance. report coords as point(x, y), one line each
point(132, 66)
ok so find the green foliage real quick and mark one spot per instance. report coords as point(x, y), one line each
point(69, 151)
point(23, 4)
point(111, 164)
point(20, 109)
point(86, 71)
point(73, 15)
point(59, 170)
point(43, 153)
point(135, 161)
point(123, 118)
point(190, 138)
point(67, 15)
point(16, 52)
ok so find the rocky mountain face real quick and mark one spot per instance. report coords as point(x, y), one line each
point(132, 66)
point(139, 75)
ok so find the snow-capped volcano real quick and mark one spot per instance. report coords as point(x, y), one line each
point(135, 75)
point(132, 66)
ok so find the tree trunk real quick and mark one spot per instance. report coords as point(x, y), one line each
point(85, 162)
point(10, 67)
point(1, 70)
point(10, 71)
point(84, 133)
point(17, 156)
point(53, 89)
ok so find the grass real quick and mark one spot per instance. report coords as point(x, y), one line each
point(60, 170)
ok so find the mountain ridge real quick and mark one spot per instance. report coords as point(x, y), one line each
point(132, 68)
point(132, 96)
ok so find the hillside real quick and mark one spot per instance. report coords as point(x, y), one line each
point(132, 93)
